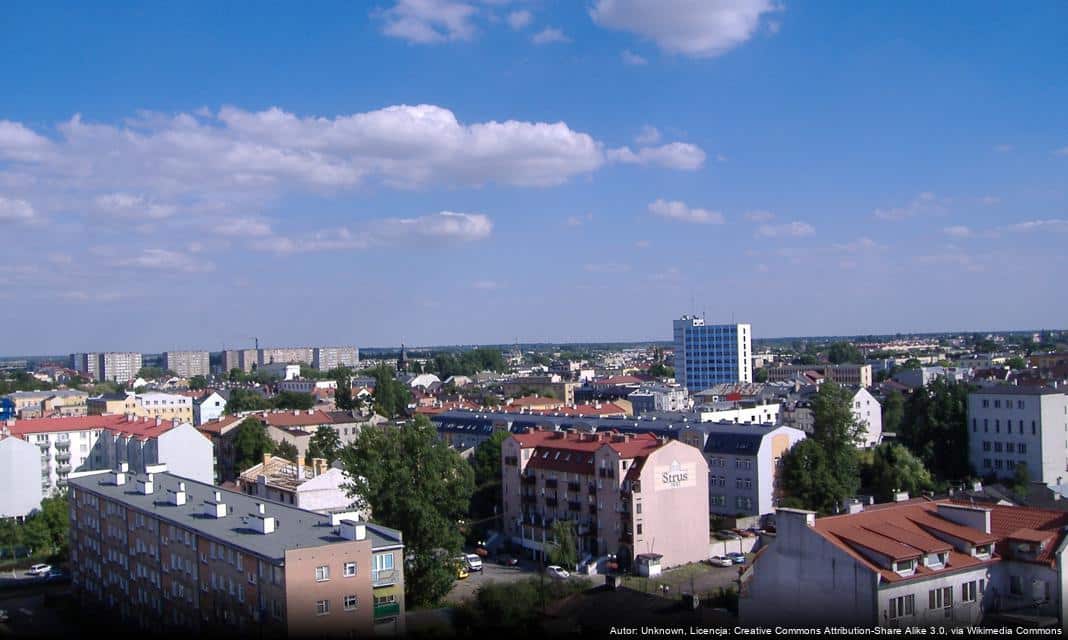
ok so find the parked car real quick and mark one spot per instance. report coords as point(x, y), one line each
point(40, 569)
point(461, 568)
point(727, 535)
point(720, 561)
point(473, 562)
point(507, 560)
point(557, 572)
point(56, 574)
point(736, 558)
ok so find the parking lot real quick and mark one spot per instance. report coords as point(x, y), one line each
point(491, 572)
point(698, 578)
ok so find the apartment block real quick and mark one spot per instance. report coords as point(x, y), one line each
point(853, 375)
point(743, 464)
point(707, 354)
point(243, 359)
point(542, 386)
point(1011, 426)
point(658, 397)
point(120, 367)
point(166, 406)
point(61, 402)
point(71, 445)
point(186, 364)
point(165, 554)
point(915, 563)
point(87, 364)
point(633, 496)
point(327, 358)
point(289, 355)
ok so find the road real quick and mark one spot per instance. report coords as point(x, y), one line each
point(491, 572)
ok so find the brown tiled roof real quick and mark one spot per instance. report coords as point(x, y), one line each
point(216, 427)
point(880, 544)
point(302, 419)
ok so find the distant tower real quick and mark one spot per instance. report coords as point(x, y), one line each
point(402, 361)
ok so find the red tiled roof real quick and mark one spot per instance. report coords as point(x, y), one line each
point(302, 419)
point(216, 426)
point(621, 380)
point(534, 401)
point(143, 428)
point(632, 447)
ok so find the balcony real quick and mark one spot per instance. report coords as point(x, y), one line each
point(387, 610)
point(63, 445)
point(551, 502)
point(62, 456)
point(384, 578)
point(574, 487)
point(64, 468)
point(550, 483)
point(62, 482)
point(606, 473)
point(529, 479)
point(574, 506)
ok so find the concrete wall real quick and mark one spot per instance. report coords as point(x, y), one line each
point(674, 521)
point(187, 453)
point(303, 591)
point(20, 477)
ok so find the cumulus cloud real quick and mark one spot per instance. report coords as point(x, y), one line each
point(1053, 224)
point(759, 216)
point(633, 59)
point(166, 260)
point(126, 205)
point(697, 28)
point(924, 203)
point(14, 210)
point(675, 155)
point(957, 231)
point(676, 210)
point(429, 21)
point(648, 135)
point(520, 19)
point(549, 35)
point(445, 227)
point(789, 229)
point(486, 285)
point(243, 227)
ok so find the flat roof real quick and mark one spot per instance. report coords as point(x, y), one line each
point(294, 528)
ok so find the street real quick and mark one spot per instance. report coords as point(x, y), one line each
point(491, 572)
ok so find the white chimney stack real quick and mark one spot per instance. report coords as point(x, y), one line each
point(145, 485)
point(215, 508)
point(178, 496)
point(263, 522)
point(352, 530)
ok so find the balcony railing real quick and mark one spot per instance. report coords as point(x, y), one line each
point(63, 444)
point(384, 578)
point(387, 610)
point(64, 468)
point(62, 456)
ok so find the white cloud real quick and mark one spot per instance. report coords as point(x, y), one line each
point(165, 260)
point(242, 227)
point(633, 59)
point(578, 221)
point(698, 28)
point(610, 267)
point(922, 204)
point(676, 210)
point(642, 244)
point(788, 229)
point(442, 228)
point(1055, 224)
point(20, 143)
point(1063, 151)
point(126, 205)
point(759, 216)
point(675, 155)
point(520, 19)
point(549, 35)
point(429, 21)
point(486, 285)
point(957, 231)
point(14, 210)
point(648, 135)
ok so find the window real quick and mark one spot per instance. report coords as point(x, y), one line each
point(967, 592)
point(638, 508)
point(940, 598)
point(1015, 585)
point(322, 574)
point(350, 602)
point(902, 606)
point(350, 569)
point(638, 530)
point(322, 607)
point(986, 445)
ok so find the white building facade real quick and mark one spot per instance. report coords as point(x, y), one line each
point(20, 465)
point(1010, 426)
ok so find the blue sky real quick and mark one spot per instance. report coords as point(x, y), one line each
point(189, 175)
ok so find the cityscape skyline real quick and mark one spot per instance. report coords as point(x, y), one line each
point(422, 174)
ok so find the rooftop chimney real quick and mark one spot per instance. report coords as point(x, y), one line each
point(266, 458)
point(967, 516)
point(120, 476)
point(159, 421)
point(300, 467)
point(901, 496)
point(178, 496)
point(352, 530)
point(261, 521)
point(215, 508)
point(145, 485)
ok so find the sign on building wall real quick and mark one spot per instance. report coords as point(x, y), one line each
point(675, 476)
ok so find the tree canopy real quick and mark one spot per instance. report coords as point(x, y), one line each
point(325, 443)
point(935, 428)
point(893, 468)
point(414, 482)
point(391, 395)
point(486, 464)
point(893, 412)
point(844, 353)
point(465, 363)
point(250, 443)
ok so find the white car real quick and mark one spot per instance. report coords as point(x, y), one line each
point(474, 563)
point(720, 561)
point(40, 569)
point(557, 571)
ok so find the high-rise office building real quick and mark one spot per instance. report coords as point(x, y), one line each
point(710, 354)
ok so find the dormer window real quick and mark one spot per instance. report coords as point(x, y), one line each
point(905, 567)
point(982, 551)
point(936, 560)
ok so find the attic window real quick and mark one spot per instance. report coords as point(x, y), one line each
point(545, 456)
point(905, 567)
point(936, 560)
point(982, 551)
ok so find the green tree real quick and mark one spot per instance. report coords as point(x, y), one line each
point(911, 363)
point(36, 536)
point(935, 428)
point(414, 482)
point(154, 373)
point(760, 375)
point(893, 411)
point(55, 512)
point(325, 443)
point(237, 375)
point(245, 400)
point(660, 370)
point(825, 471)
point(844, 353)
point(287, 451)
point(198, 382)
point(564, 549)
point(343, 395)
point(486, 464)
point(293, 400)
point(250, 443)
point(1016, 363)
point(391, 395)
point(1021, 480)
point(893, 468)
